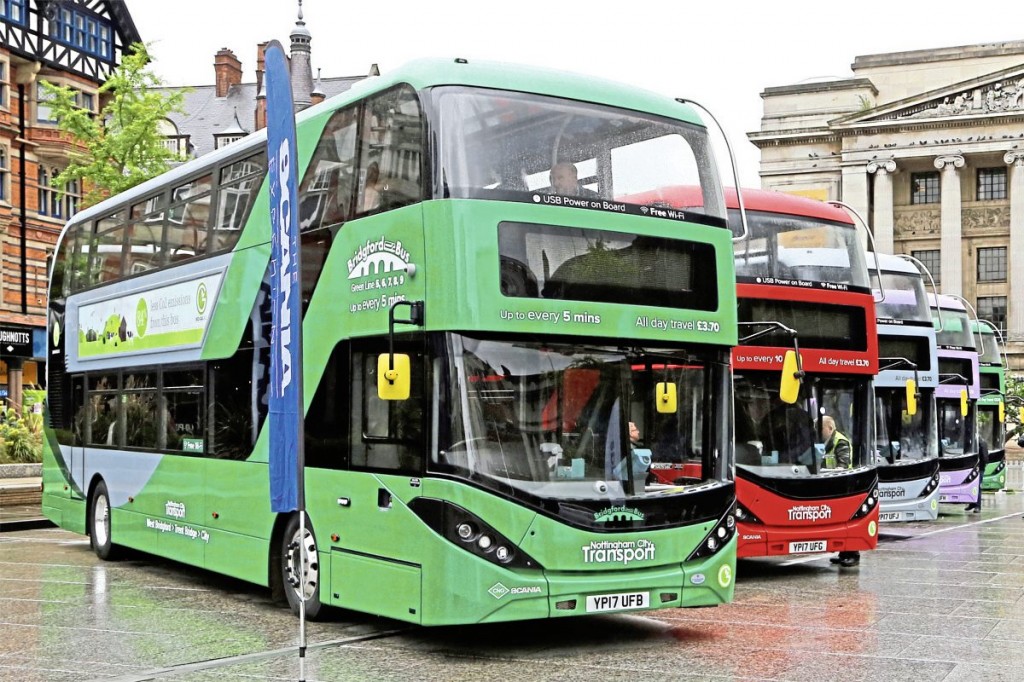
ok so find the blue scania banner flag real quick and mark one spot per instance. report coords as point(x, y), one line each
point(286, 338)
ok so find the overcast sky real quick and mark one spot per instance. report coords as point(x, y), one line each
point(720, 53)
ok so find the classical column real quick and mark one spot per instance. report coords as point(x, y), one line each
point(1015, 305)
point(855, 193)
point(882, 217)
point(952, 232)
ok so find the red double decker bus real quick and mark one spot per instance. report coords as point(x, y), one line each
point(805, 475)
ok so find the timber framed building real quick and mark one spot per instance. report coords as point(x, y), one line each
point(76, 43)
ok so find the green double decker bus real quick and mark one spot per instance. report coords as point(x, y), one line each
point(991, 404)
point(466, 217)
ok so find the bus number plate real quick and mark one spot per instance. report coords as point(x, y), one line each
point(890, 516)
point(808, 546)
point(944, 498)
point(617, 602)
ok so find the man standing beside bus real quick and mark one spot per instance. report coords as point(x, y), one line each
point(838, 454)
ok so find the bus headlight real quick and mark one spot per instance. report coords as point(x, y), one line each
point(468, 531)
point(719, 536)
point(869, 504)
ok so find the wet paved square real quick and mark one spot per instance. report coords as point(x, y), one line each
point(938, 601)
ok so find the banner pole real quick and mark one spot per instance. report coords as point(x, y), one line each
point(286, 409)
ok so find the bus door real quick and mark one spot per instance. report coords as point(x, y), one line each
point(76, 451)
point(364, 465)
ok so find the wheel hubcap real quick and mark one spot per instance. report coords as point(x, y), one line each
point(307, 577)
point(101, 521)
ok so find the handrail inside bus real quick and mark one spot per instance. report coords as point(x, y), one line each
point(924, 269)
point(981, 337)
point(874, 250)
point(732, 162)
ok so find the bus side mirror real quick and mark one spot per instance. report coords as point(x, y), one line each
point(393, 376)
point(789, 383)
point(911, 397)
point(665, 398)
point(963, 402)
point(1002, 412)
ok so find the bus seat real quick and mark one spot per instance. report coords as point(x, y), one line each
point(747, 453)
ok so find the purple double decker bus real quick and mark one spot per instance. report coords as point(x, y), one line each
point(957, 402)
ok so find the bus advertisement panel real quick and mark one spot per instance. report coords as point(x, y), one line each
point(957, 401)
point(487, 318)
point(906, 441)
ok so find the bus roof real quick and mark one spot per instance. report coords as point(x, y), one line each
point(790, 204)
point(985, 327)
point(947, 302)
point(424, 73)
point(891, 263)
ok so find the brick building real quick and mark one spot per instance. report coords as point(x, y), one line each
point(71, 43)
point(219, 114)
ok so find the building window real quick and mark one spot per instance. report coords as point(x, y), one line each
point(992, 264)
point(43, 112)
point(49, 203)
point(5, 93)
point(44, 189)
point(924, 188)
point(224, 140)
point(13, 11)
point(87, 32)
point(993, 309)
point(4, 171)
point(85, 100)
point(991, 184)
point(931, 259)
point(72, 195)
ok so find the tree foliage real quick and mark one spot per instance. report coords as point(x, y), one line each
point(123, 145)
point(1014, 401)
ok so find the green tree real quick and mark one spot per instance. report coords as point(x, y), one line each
point(1014, 401)
point(122, 146)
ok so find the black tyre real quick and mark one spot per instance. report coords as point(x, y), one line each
point(99, 524)
point(300, 567)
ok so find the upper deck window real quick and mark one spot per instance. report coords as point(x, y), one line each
point(790, 247)
point(956, 329)
point(904, 299)
point(518, 146)
point(369, 159)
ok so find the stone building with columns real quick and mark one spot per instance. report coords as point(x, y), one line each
point(928, 146)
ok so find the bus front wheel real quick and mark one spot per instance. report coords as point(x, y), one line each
point(300, 567)
point(99, 523)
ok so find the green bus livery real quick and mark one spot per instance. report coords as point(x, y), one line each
point(469, 218)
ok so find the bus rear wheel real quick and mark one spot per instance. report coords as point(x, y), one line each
point(300, 567)
point(99, 524)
